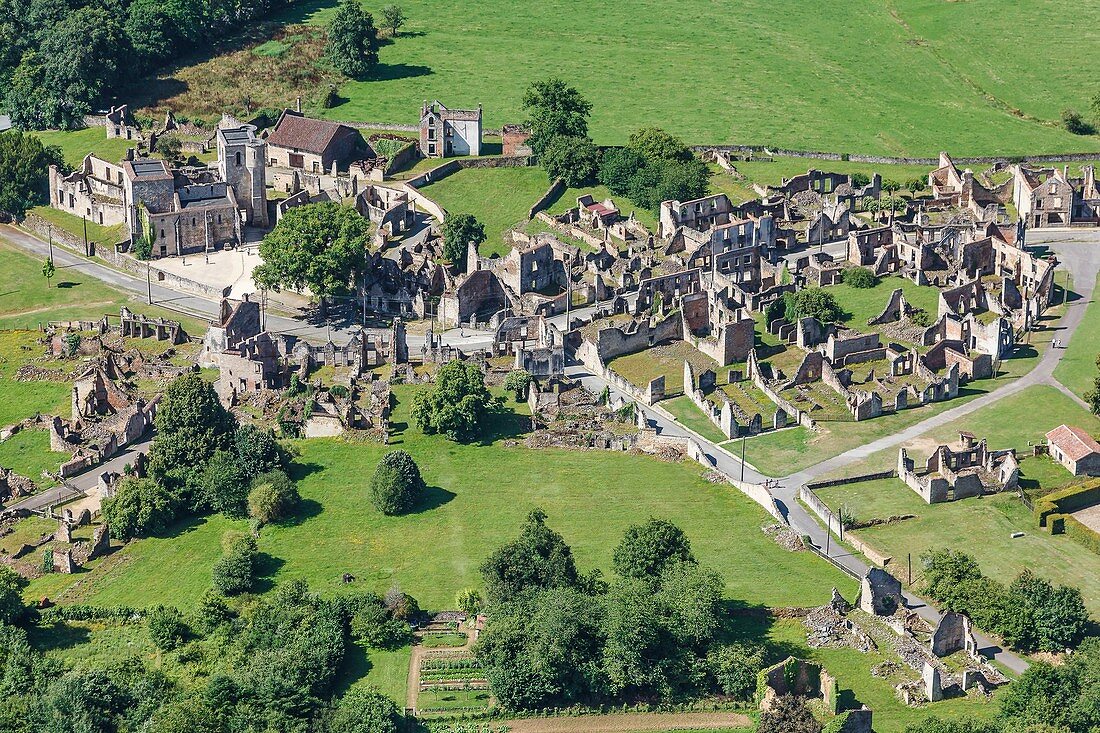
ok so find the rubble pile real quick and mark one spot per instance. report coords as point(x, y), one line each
point(784, 536)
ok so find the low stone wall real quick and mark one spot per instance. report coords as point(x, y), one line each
point(37, 225)
point(890, 160)
point(557, 188)
point(131, 264)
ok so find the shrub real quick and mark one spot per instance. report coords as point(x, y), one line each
point(517, 382)
point(166, 627)
point(734, 667)
point(211, 612)
point(11, 594)
point(396, 485)
point(1075, 123)
point(373, 626)
point(235, 571)
point(364, 711)
point(140, 507)
point(860, 277)
point(273, 497)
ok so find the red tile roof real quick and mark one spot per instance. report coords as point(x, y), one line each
point(1074, 443)
point(304, 133)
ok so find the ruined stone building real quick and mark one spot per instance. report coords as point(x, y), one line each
point(177, 212)
point(388, 208)
point(1048, 197)
point(698, 214)
point(446, 132)
point(960, 188)
point(120, 125)
point(313, 146)
point(971, 469)
point(242, 164)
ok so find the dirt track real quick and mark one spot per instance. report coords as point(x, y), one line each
point(630, 722)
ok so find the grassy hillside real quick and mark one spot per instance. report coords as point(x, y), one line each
point(903, 76)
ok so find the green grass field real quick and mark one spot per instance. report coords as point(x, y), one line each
point(688, 414)
point(73, 295)
point(907, 76)
point(862, 304)
point(477, 500)
point(981, 526)
point(78, 143)
point(1077, 368)
point(28, 454)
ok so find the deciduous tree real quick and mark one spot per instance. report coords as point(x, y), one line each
point(322, 247)
point(554, 108)
point(572, 159)
point(647, 550)
point(353, 40)
point(24, 171)
point(396, 485)
point(459, 230)
point(457, 405)
point(537, 559)
point(139, 507)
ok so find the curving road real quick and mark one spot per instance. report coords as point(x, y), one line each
point(1079, 253)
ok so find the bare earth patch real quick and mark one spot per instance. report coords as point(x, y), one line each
point(631, 722)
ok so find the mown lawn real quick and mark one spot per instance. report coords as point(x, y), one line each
point(859, 95)
point(1077, 367)
point(980, 526)
point(500, 198)
point(478, 497)
point(75, 144)
point(26, 302)
point(19, 400)
point(28, 454)
point(688, 414)
point(862, 304)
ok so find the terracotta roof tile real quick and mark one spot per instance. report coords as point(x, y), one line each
point(304, 133)
point(1074, 442)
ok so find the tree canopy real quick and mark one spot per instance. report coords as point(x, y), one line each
point(654, 166)
point(572, 159)
point(139, 507)
point(353, 40)
point(322, 247)
point(554, 108)
point(458, 231)
point(817, 303)
point(647, 550)
point(457, 405)
point(24, 171)
point(537, 559)
point(191, 426)
point(396, 485)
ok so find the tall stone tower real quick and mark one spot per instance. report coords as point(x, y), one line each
point(243, 166)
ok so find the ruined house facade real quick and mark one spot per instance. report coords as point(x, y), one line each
point(448, 132)
point(179, 214)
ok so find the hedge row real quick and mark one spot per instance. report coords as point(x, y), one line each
point(1066, 501)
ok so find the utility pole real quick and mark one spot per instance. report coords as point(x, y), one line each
point(743, 437)
point(49, 230)
point(909, 572)
point(85, 220)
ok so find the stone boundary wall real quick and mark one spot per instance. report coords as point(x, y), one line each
point(557, 188)
point(39, 226)
point(807, 495)
point(892, 160)
point(109, 254)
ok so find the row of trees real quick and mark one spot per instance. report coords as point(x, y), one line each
point(1031, 614)
point(558, 637)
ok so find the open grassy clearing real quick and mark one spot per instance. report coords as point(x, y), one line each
point(19, 400)
point(590, 496)
point(981, 526)
point(875, 83)
point(665, 360)
point(75, 144)
point(1077, 368)
point(688, 414)
point(861, 304)
point(499, 197)
point(28, 454)
point(73, 295)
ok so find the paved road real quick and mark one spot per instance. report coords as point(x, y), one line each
point(83, 482)
point(1079, 253)
point(207, 308)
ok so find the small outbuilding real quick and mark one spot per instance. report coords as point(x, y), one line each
point(1075, 449)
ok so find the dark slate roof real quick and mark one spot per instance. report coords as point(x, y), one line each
point(304, 133)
